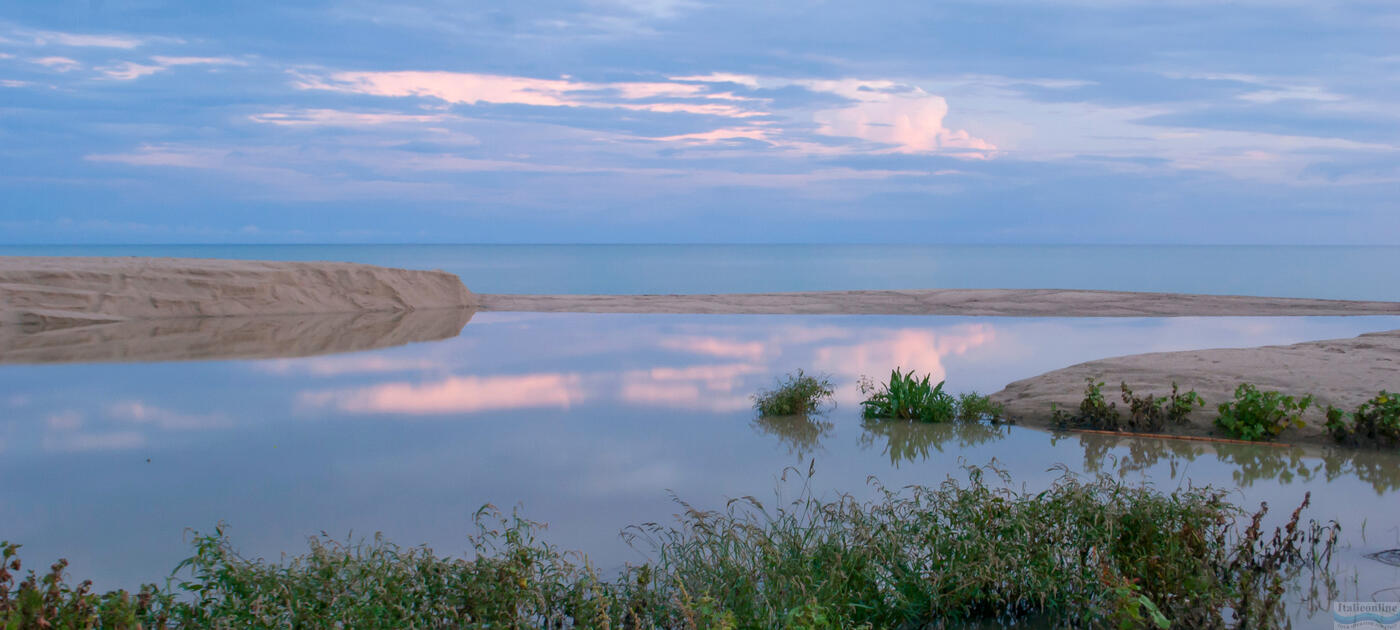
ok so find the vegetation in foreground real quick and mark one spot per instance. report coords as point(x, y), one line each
point(797, 394)
point(1146, 414)
point(1083, 553)
point(1375, 422)
point(1261, 415)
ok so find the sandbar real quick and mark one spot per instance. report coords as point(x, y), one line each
point(1340, 372)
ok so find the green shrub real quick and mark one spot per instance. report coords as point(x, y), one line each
point(1095, 411)
point(1376, 421)
point(1081, 553)
point(796, 395)
point(1256, 415)
point(907, 397)
point(973, 407)
point(1154, 413)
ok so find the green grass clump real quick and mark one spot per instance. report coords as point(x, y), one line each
point(973, 407)
point(907, 397)
point(1260, 415)
point(1083, 553)
point(1376, 421)
point(796, 395)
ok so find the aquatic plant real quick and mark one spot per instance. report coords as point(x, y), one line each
point(973, 406)
point(907, 397)
point(1376, 421)
point(796, 394)
point(1260, 415)
point(1084, 552)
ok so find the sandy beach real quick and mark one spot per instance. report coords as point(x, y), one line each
point(52, 292)
point(1340, 372)
point(970, 302)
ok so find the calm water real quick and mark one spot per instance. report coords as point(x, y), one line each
point(589, 422)
point(1292, 271)
point(586, 422)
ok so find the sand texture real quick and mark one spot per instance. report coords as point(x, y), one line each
point(234, 337)
point(981, 302)
point(1341, 372)
point(47, 293)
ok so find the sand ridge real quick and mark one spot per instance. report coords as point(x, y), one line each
point(965, 302)
point(52, 292)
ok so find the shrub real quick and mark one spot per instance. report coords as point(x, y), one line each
point(973, 406)
point(1149, 413)
point(1376, 421)
point(1081, 553)
point(796, 395)
point(907, 397)
point(1256, 415)
point(1094, 411)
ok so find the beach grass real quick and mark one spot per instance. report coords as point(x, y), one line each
point(796, 394)
point(1085, 552)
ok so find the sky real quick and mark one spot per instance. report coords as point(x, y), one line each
point(659, 121)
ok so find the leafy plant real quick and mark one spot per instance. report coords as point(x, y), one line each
point(1095, 411)
point(1376, 421)
point(973, 406)
point(1154, 413)
point(907, 397)
point(1256, 415)
point(796, 395)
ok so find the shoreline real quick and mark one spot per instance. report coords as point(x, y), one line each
point(955, 302)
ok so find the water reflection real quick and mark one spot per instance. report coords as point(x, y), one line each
point(587, 421)
point(910, 441)
point(1248, 463)
point(802, 435)
point(228, 337)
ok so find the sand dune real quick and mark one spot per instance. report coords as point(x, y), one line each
point(1341, 372)
point(971, 302)
point(46, 293)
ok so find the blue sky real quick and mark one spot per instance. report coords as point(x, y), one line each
point(1000, 121)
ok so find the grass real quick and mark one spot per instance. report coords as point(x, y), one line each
point(797, 394)
point(1260, 415)
point(1086, 552)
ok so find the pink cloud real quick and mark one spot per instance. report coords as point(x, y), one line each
point(457, 394)
point(890, 113)
point(715, 347)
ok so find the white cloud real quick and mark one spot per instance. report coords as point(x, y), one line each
point(58, 64)
point(43, 38)
point(138, 412)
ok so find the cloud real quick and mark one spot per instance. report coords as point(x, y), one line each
point(901, 115)
point(473, 89)
point(706, 387)
point(138, 412)
point(457, 394)
point(80, 40)
point(341, 118)
point(715, 347)
point(58, 64)
point(129, 70)
point(748, 80)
